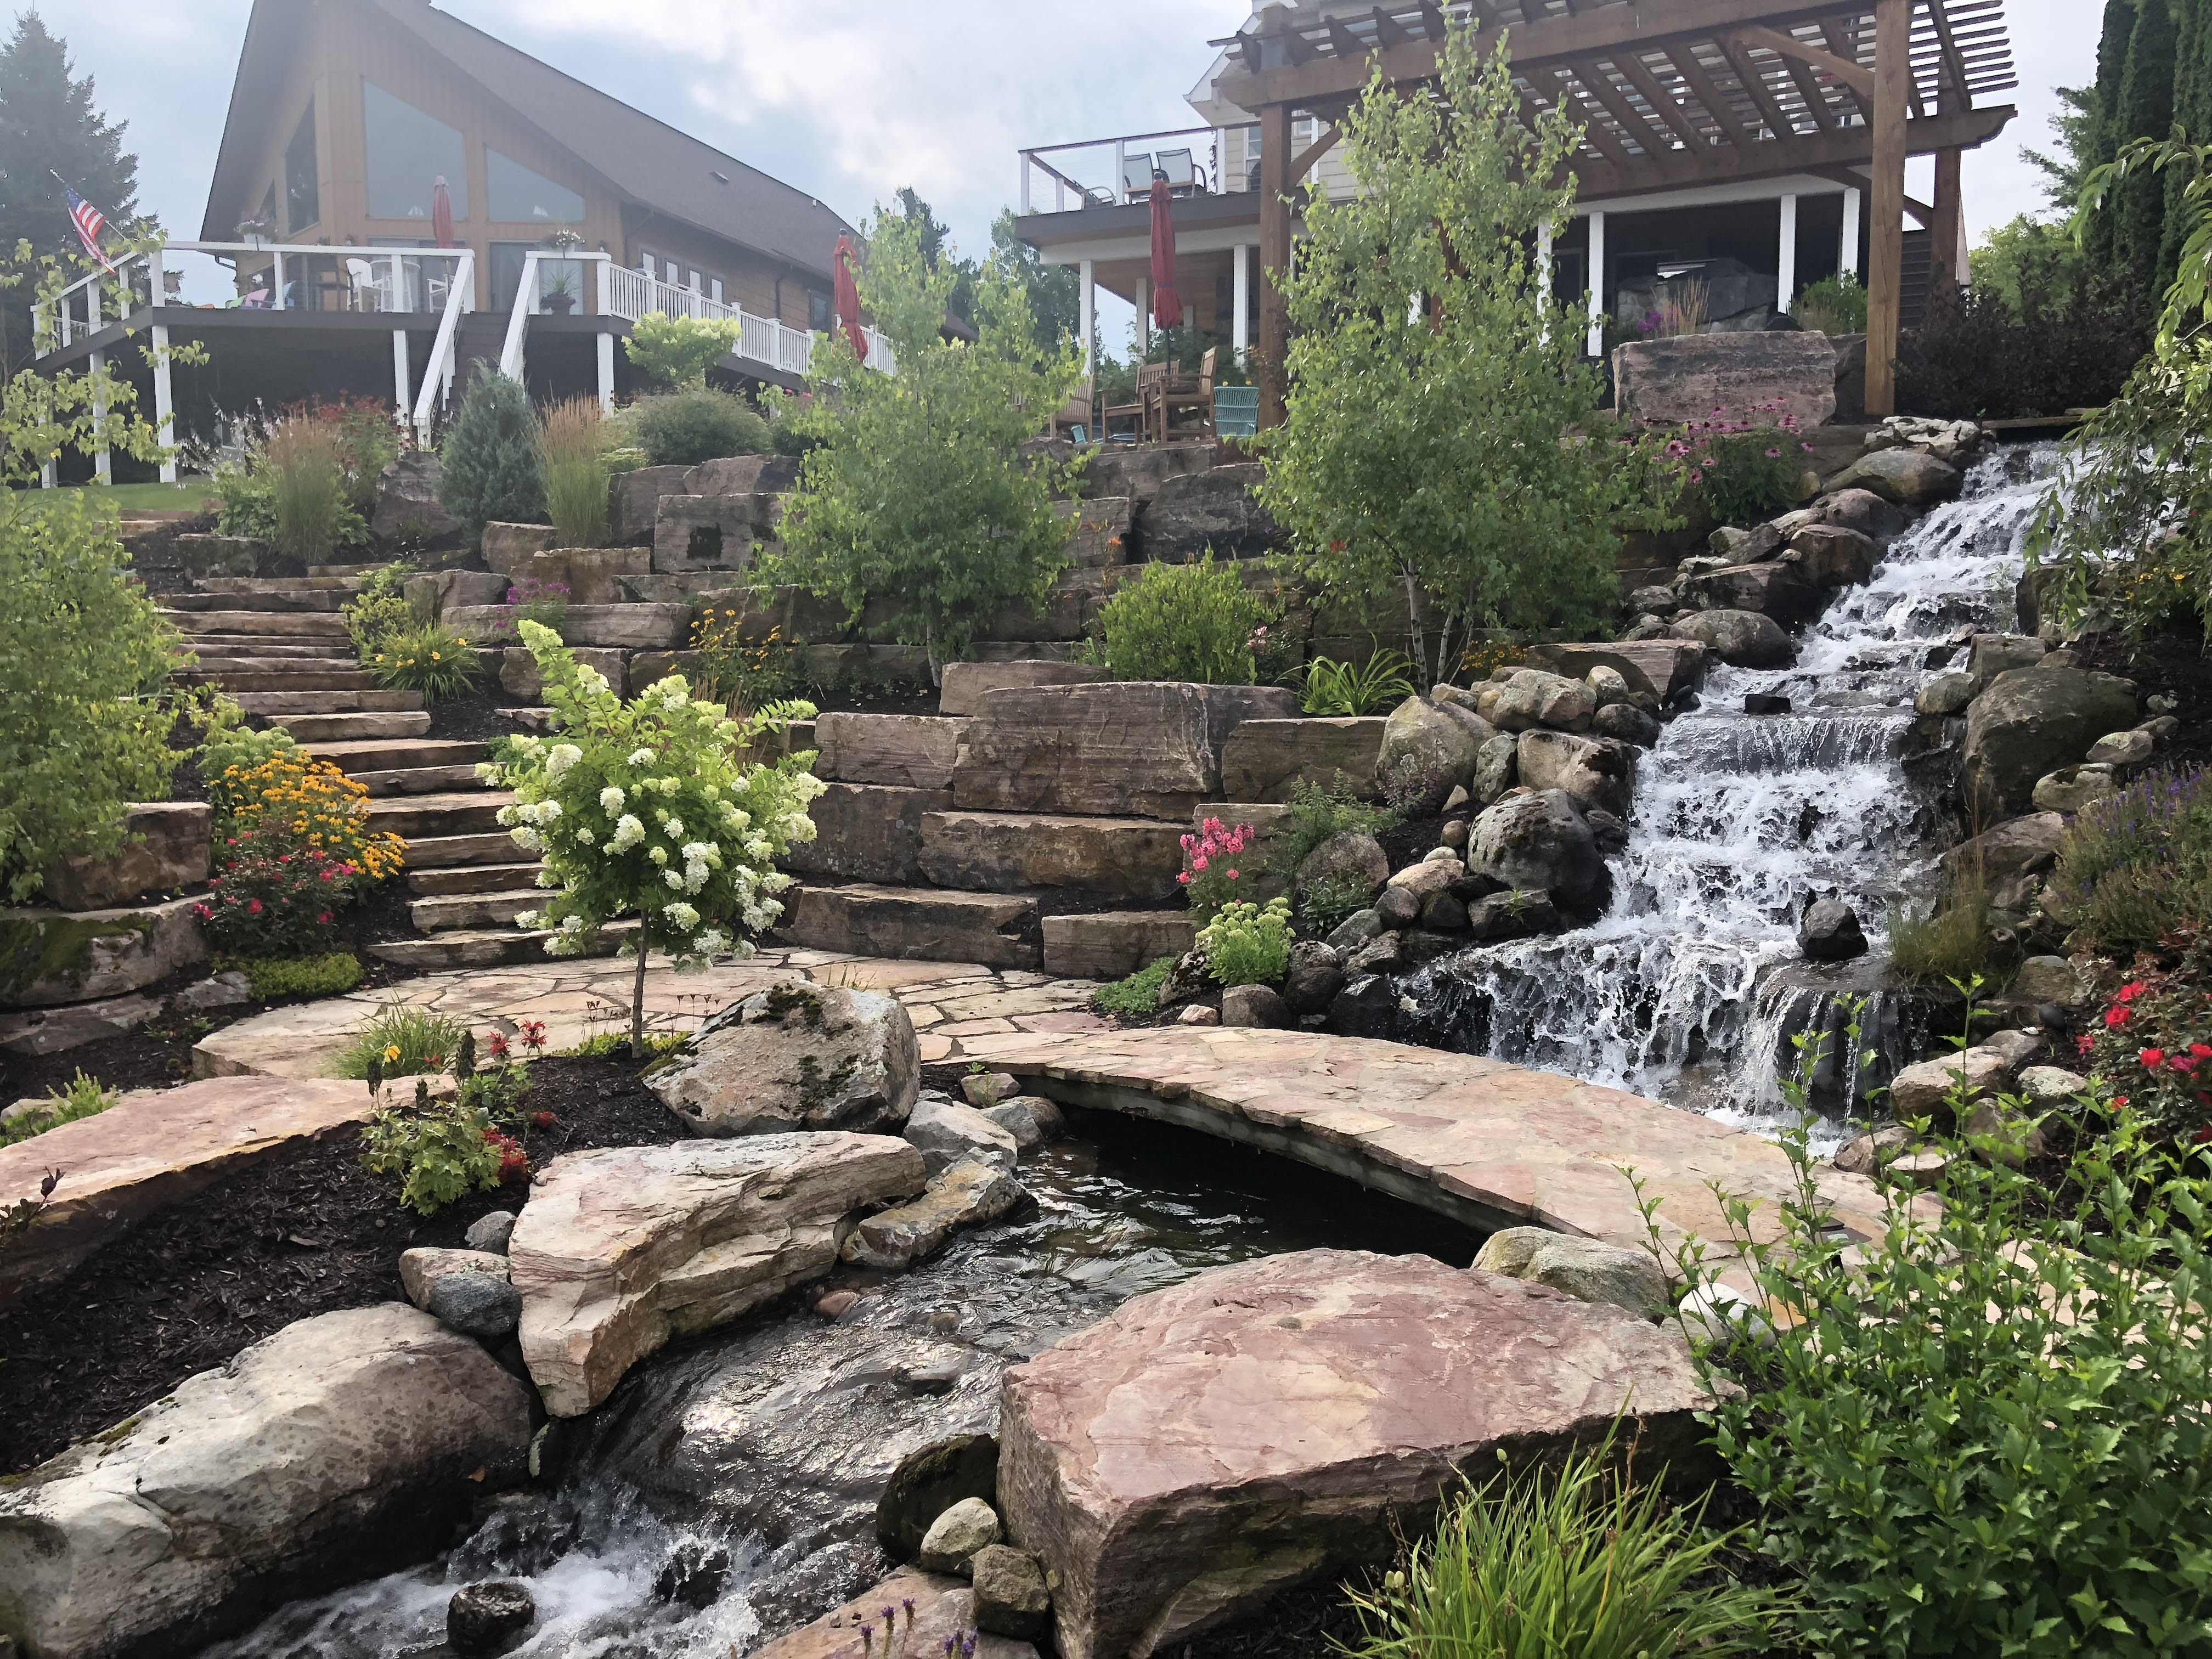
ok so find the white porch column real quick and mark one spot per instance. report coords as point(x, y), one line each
point(101, 464)
point(1785, 282)
point(1848, 259)
point(1597, 283)
point(1144, 314)
point(165, 403)
point(1240, 326)
point(400, 373)
point(1090, 286)
point(606, 373)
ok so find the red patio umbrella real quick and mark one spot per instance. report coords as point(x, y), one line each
point(848, 299)
point(1167, 304)
point(441, 214)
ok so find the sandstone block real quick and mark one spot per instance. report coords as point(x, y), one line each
point(1114, 944)
point(621, 1248)
point(221, 556)
point(519, 675)
point(742, 475)
point(867, 832)
point(504, 543)
point(1778, 588)
point(944, 1607)
point(1662, 667)
point(1140, 471)
point(796, 1056)
point(1924, 1090)
point(948, 1134)
point(1687, 377)
point(633, 502)
point(913, 751)
point(965, 683)
point(1212, 511)
point(636, 627)
point(1263, 759)
point(963, 1195)
point(51, 957)
point(592, 576)
point(992, 929)
point(712, 532)
point(993, 851)
point(1103, 529)
point(165, 847)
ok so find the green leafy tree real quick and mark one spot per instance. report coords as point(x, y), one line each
point(917, 493)
point(1427, 459)
point(2145, 110)
point(1055, 292)
point(488, 467)
point(2026, 254)
point(49, 124)
point(651, 809)
point(677, 351)
point(938, 253)
point(84, 661)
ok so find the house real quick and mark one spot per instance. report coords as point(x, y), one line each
point(398, 194)
point(1763, 139)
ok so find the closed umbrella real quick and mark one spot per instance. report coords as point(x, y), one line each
point(441, 214)
point(848, 299)
point(1167, 304)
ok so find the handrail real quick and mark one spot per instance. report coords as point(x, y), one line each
point(440, 373)
point(1033, 160)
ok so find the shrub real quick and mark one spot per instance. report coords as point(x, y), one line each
point(488, 468)
point(1183, 622)
point(572, 464)
point(1574, 1562)
point(1745, 464)
point(677, 351)
point(1985, 1430)
point(2138, 866)
point(532, 600)
point(1343, 688)
point(1137, 996)
point(1325, 905)
point(683, 428)
point(83, 1097)
point(246, 497)
point(2057, 345)
point(2155, 1041)
point(1248, 944)
point(292, 801)
point(367, 440)
point(1319, 810)
point(745, 673)
point(379, 611)
point(401, 1040)
point(650, 809)
point(314, 517)
point(1834, 304)
point(1945, 940)
point(1214, 863)
point(329, 975)
point(441, 1153)
point(271, 896)
point(434, 661)
point(84, 660)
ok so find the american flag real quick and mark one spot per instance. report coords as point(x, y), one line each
point(86, 217)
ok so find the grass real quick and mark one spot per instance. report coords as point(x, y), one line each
point(572, 445)
point(190, 495)
point(84, 1097)
point(1137, 996)
point(407, 1042)
point(1947, 940)
point(274, 977)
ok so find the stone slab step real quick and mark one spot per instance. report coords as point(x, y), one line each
point(1114, 944)
point(314, 570)
point(322, 728)
point(213, 648)
point(299, 625)
point(418, 780)
point(473, 878)
point(1134, 859)
point(473, 813)
point(280, 584)
point(304, 680)
point(455, 852)
point(359, 756)
point(486, 948)
point(260, 600)
point(994, 929)
point(229, 666)
point(447, 913)
point(329, 702)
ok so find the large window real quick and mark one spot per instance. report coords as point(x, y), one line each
point(517, 196)
point(302, 194)
point(408, 153)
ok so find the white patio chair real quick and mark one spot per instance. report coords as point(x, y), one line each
point(370, 281)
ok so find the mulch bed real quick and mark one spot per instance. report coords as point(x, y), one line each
point(2175, 663)
point(305, 1232)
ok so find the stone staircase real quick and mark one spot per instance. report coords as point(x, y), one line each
point(279, 647)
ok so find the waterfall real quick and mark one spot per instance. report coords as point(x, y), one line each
point(1689, 988)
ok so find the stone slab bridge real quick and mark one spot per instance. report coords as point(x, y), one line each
point(1484, 1143)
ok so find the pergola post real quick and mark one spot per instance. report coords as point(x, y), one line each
point(1240, 323)
point(1893, 70)
point(1847, 255)
point(1596, 341)
point(165, 403)
point(1089, 287)
point(1274, 254)
point(1785, 266)
point(1943, 230)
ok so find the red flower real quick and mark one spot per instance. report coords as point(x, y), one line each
point(2152, 1057)
point(2201, 1051)
point(2204, 1133)
point(2131, 990)
point(533, 1033)
point(253, 906)
point(2115, 1017)
point(324, 920)
point(543, 1120)
point(496, 1043)
point(1184, 878)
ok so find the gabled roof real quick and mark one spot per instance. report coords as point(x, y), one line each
point(643, 159)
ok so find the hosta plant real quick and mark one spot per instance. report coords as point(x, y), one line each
point(650, 809)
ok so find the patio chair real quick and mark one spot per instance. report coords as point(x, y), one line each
point(1073, 418)
point(1133, 412)
point(1136, 176)
point(368, 284)
point(1185, 412)
point(1174, 165)
point(1153, 381)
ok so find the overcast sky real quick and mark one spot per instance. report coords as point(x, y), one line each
point(850, 99)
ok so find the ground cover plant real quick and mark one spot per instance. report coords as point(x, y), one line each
point(429, 657)
point(1137, 996)
point(1248, 944)
point(82, 1097)
point(326, 974)
point(1183, 622)
point(2135, 867)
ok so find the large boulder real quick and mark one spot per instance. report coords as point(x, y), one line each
point(1114, 944)
point(343, 1445)
point(1213, 511)
point(1742, 639)
point(1429, 748)
point(742, 475)
point(622, 1248)
point(1350, 856)
point(49, 956)
point(1906, 477)
point(1775, 588)
point(712, 532)
point(633, 502)
point(946, 1133)
point(1832, 556)
point(797, 1057)
point(1661, 667)
point(407, 507)
point(866, 832)
point(1687, 377)
point(1265, 760)
point(587, 576)
point(165, 848)
point(2027, 846)
point(1532, 697)
point(2031, 721)
point(1104, 526)
point(1143, 748)
point(914, 751)
point(1599, 773)
point(1537, 840)
point(1211, 1445)
point(519, 675)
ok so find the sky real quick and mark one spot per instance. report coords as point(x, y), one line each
point(848, 100)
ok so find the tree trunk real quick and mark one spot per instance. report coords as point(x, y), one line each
point(637, 994)
point(1415, 635)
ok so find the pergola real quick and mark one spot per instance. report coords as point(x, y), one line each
point(1673, 94)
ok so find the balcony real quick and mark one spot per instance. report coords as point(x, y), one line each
point(1116, 172)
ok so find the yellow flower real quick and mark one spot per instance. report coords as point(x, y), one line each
point(391, 1052)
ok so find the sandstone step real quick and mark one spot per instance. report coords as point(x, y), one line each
point(299, 625)
point(314, 570)
point(329, 702)
point(472, 877)
point(994, 929)
point(473, 813)
point(487, 948)
point(317, 728)
point(358, 756)
point(993, 852)
point(455, 852)
point(229, 666)
point(266, 681)
point(418, 780)
point(1114, 944)
point(279, 584)
point(448, 912)
point(281, 602)
point(213, 648)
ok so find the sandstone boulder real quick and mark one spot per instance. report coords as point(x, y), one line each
point(519, 675)
point(1348, 858)
point(1011, 1597)
point(1663, 667)
point(1263, 760)
point(342, 1445)
point(1210, 1445)
point(1587, 1269)
point(1742, 639)
point(1119, 858)
point(590, 575)
point(1114, 944)
point(1532, 697)
point(994, 929)
point(48, 958)
point(622, 1248)
point(1687, 377)
point(1832, 556)
point(1778, 588)
point(947, 1133)
point(944, 1608)
point(712, 532)
point(1924, 1090)
point(742, 475)
point(1597, 772)
point(954, 1537)
point(1906, 477)
point(1429, 748)
point(963, 1195)
point(503, 544)
point(1945, 695)
point(633, 502)
point(965, 683)
point(2031, 721)
point(911, 751)
point(2070, 788)
point(797, 1057)
point(1537, 840)
point(1103, 530)
point(866, 832)
point(1213, 511)
point(2018, 846)
point(1140, 472)
point(202, 556)
point(165, 847)
point(2049, 979)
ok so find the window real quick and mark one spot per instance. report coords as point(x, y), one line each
point(714, 290)
point(409, 152)
point(698, 283)
point(649, 263)
point(817, 311)
point(506, 259)
point(302, 193)
point(517, 196)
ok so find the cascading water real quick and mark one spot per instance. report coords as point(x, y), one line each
point(1687, 989)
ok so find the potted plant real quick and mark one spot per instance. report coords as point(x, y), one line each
point(256, 233)
point(560, 295)
point(563, 238)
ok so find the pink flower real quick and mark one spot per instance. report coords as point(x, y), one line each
point(1184, 878)
point(1808, 448)
point(1696, 477)
point(1773, 454)
point(1232, 875)
point(253, 907)
point(1199, 863)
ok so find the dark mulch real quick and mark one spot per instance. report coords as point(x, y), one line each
point(305, 1232)
point(893, 700)
point(1315, 1622)
point(1413, 838)
point(2175, 663)
point(480, 716)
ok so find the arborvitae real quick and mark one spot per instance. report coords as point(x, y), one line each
point(2105, 110)
point(488, 466)
point(2146, 111)
point(2192, 113)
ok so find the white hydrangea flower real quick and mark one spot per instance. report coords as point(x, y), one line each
point(548, 810)
point(584, 835)
point(564, 755)
point(627, 833)
point(529, 920)
point(611, 801)
point(658, 854)
point(694, 877)
point(673, 878)
point(506, 814)
point(672, 828)
point(675, 696)
point(592, 680)
point(685, 918)
point(711, 942)
point(547, 878)
point(528, 840)
point(642, 757)
point(572, 924)
point(702, 852)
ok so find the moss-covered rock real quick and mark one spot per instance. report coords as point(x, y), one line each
point(48, 958)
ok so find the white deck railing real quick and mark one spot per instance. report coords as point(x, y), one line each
point(631, 294)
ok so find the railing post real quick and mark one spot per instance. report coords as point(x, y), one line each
point(165, 403)
point(400, 302)
point(1025, 184)
point(101, 463)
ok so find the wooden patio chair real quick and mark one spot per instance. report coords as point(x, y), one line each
point(1187, 411)
point(1075, 416)
point(1152, 382)
point(1135, 412)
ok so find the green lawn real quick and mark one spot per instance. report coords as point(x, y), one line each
point(187, 497)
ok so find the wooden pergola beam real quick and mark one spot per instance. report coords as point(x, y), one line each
point(1593, 79)
point(1754, 83)
point(1822, 154)
point(1686, 64)
point(1788, 46)
point(1832, 31)
point(1670, 108)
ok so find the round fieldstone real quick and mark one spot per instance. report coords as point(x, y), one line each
point(1254, 1007)
point(1011, 1597)
point(475, 1305)
point(955, 1536)
point(1830, 932)
point(1314, 977)
point(927, 1483)
point(492, 1232)
point(484, 1617)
